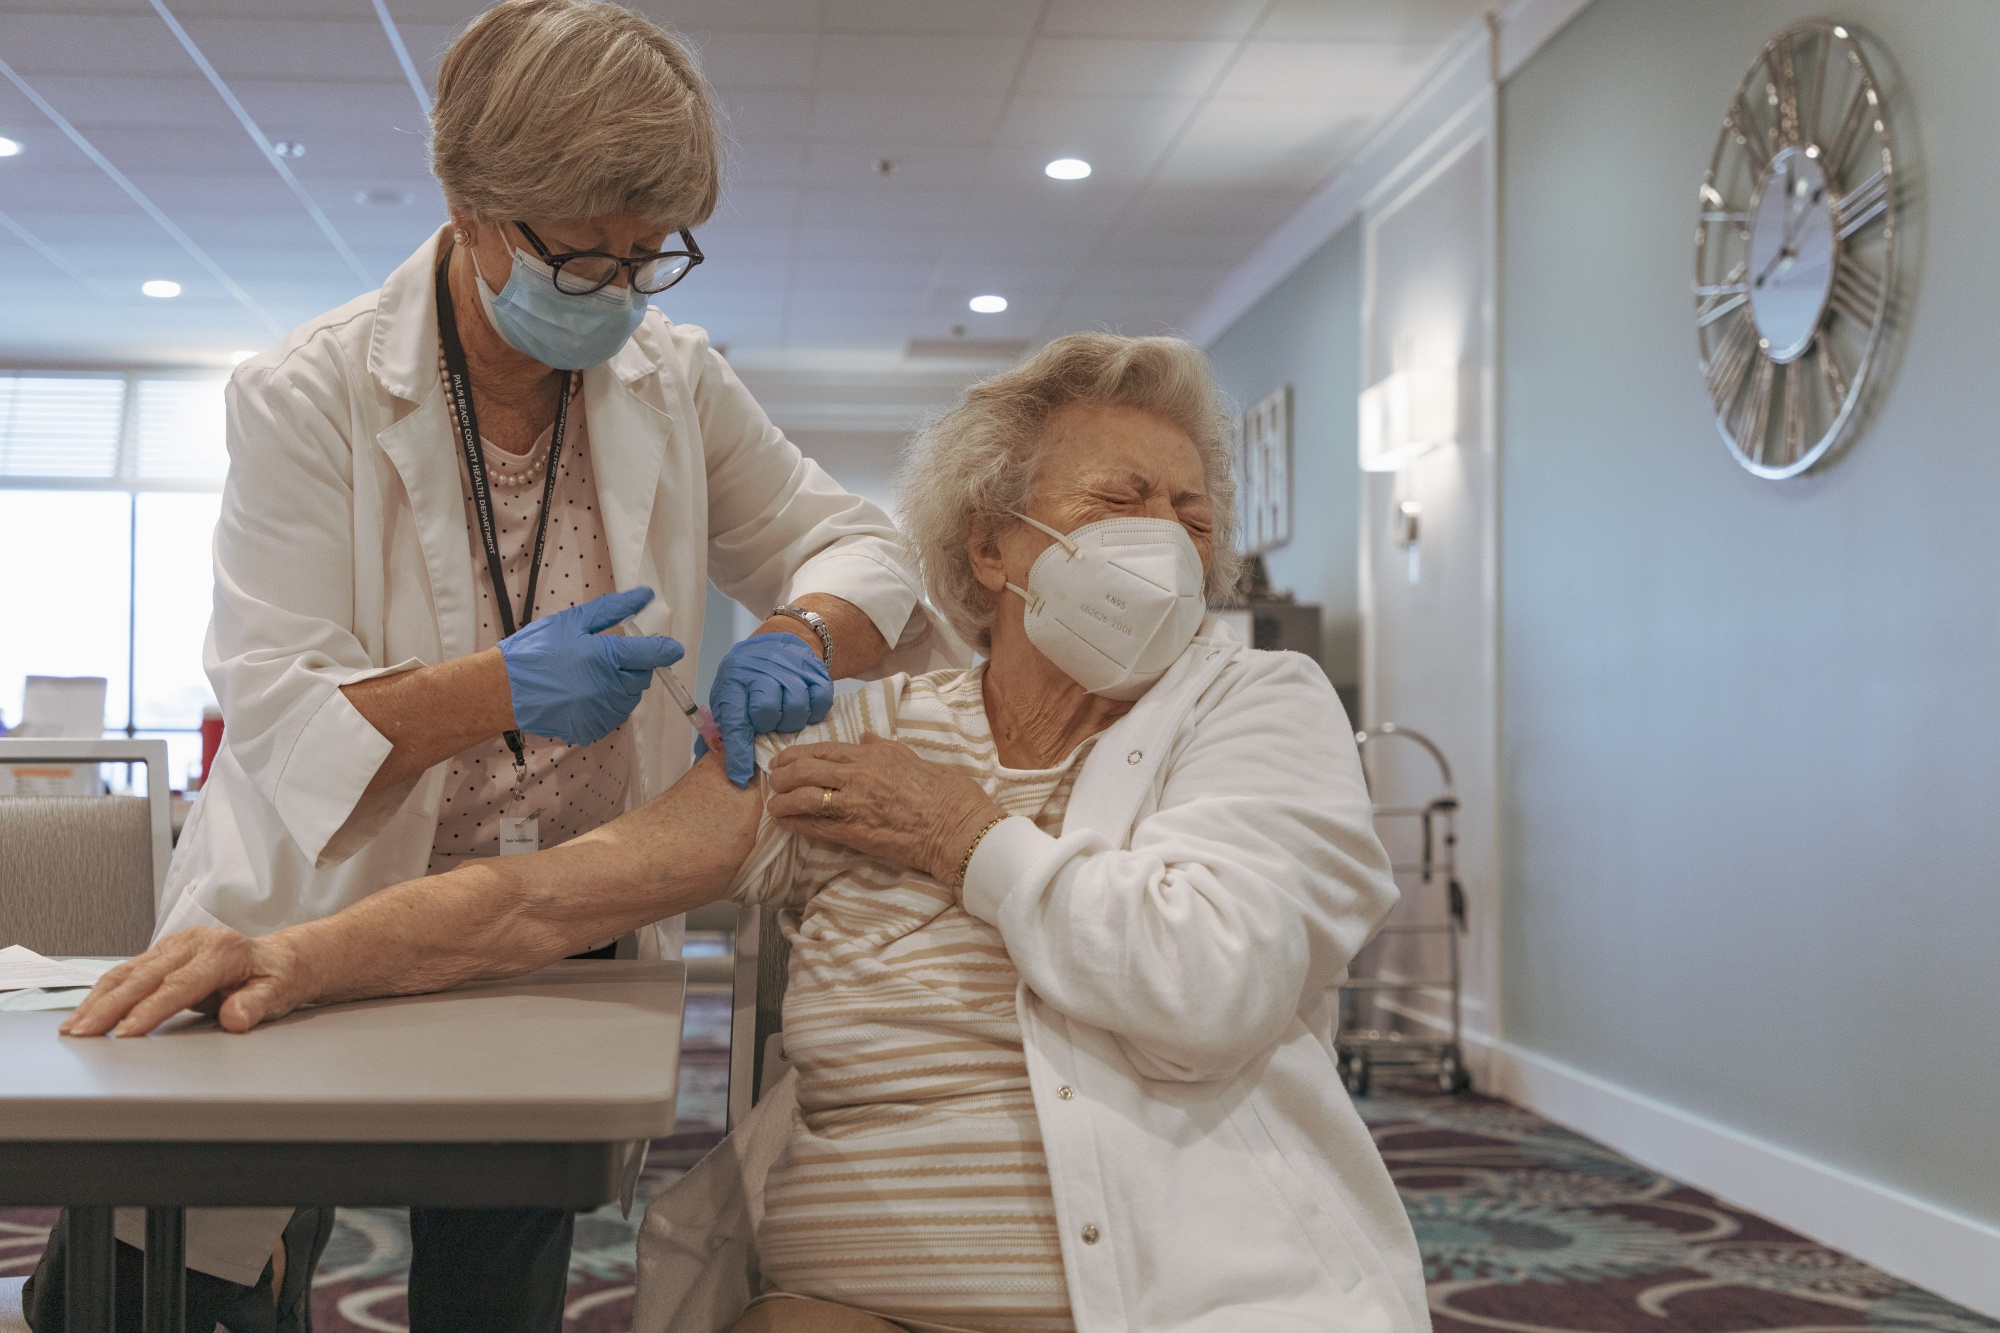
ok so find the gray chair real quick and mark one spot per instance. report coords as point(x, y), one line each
point(83, 875)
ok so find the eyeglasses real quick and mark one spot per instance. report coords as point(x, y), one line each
point(580, 272)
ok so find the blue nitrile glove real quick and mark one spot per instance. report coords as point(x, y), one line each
point(576, 684)
point(768, 682)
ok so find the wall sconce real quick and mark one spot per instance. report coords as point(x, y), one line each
point(1406, 416)
point(1409, 536)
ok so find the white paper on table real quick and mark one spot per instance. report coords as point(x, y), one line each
point(21, 968)
point(41, 1001)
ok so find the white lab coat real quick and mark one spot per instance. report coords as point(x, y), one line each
point(1180, 946)
point(342, 553)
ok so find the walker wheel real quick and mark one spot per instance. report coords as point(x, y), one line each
point(1454, 1078)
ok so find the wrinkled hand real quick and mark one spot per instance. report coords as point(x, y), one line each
point(887, 802)
point(768, 682)
point(573, 682)
point(242, 981)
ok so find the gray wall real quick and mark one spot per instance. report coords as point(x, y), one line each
point(1749, 741)
point(1307, 334)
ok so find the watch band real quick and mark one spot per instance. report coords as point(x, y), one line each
point(815, 622)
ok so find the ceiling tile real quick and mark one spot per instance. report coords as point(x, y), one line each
point(1121, 67)
point(871, 118)
point(764, 15)
point(1117, 136)
point(757, 116)
point(897, 63)
point(909, 207)
point(1174, 206)
point(1266, 143)
point(100, 44)
point(1427, 21)
point(818, 241)
point(919, 165)
point(89, 101)
point(1376, 75)
point(967, 17)
point(1151, 18)
point(743, 242)
point(764, 162)
point(1208, 122)
point(279, 48)
point(756, 62)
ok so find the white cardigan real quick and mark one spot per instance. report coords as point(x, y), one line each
point(1180, 946)
point(341, 553)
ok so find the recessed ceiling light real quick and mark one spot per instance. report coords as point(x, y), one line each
point(1067, 169)
point(161, 288)
point(289, 148)
point(987, 305)
point(238, 358)
point(8, 148)
point(382, 198)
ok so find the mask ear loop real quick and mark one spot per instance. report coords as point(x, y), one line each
point(1067, 544)
point(1032, 598)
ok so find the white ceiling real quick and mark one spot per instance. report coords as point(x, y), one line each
point(1207, 121)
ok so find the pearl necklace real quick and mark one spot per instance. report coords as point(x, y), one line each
point(532, 472)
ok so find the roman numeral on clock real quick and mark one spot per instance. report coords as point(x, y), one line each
point(1857, 292)
point(1732, 358)
point(1861, 205)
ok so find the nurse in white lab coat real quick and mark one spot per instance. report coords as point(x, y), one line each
point(381, 693)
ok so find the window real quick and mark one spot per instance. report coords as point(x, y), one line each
point(109, 489)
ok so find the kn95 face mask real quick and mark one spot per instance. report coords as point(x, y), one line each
point(1114, 603)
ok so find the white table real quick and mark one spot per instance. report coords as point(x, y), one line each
point(522, 1093)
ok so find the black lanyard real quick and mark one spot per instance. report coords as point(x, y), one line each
point(482, 498)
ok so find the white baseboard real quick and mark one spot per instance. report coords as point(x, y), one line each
point(1957, 1257)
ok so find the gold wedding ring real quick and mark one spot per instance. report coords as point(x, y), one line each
point(826, 803)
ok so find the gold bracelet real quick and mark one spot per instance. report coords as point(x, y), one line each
point(965, 862)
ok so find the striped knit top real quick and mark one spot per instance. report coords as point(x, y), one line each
point(914, 1185)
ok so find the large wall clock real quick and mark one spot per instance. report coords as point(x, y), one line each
point(1795, 248)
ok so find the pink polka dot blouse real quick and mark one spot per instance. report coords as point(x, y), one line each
point(571, 789)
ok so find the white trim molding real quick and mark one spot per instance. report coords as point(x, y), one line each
point(1462, 74)
point(1957, 1257)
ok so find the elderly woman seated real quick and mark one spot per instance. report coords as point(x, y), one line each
point(1065, 927)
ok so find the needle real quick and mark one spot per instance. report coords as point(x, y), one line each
point(704, 721)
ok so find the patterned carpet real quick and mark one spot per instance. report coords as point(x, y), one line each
point(1530, 1228)
point(1525, 1227)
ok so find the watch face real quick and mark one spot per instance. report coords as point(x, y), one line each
point(1795, 249)
point(1791, 254)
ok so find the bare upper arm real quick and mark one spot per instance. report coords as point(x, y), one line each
point(678, 850)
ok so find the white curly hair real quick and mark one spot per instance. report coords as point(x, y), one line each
point(970, 470)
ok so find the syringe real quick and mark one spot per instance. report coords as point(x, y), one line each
point(704, 721)
point(698, 714)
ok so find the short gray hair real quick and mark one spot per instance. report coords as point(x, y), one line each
point(972, 469)
point(574, 109)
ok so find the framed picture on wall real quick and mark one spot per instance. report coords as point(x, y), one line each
point(1264, 473)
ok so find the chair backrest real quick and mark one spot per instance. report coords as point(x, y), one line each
point(84, 874)
point(757, 1002)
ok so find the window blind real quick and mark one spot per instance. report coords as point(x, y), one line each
point(134, 431)
point(60, 427)
point(180, 433)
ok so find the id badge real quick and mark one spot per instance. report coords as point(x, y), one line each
point(519, 837)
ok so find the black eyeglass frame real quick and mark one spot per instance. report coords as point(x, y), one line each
point(631, 265)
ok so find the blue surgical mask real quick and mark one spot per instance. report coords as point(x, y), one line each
point(557, 329)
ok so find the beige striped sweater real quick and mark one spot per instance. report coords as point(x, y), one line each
point(914, 1185)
